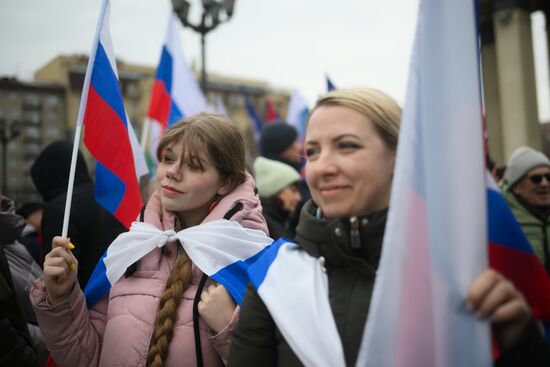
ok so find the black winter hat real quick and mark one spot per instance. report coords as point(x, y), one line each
point(28, 208)
point(276, 137)
point(50, 170)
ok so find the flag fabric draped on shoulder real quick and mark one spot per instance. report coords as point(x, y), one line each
point(109, 135)
point(511, 254)
point(435, 240)
point(221, 249)
point(299, 305)
point(176, 92)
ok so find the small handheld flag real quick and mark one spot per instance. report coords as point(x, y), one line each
point(109, 136)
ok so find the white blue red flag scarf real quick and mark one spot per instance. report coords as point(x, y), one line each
point(221, 249)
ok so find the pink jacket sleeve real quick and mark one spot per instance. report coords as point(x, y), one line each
point(222, 340)
point(73, 334)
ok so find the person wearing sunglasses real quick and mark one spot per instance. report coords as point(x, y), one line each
point(528, 194)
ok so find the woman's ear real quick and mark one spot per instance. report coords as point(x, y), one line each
point(226, 186)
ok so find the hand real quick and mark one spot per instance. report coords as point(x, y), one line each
point(60, 268)
point(494, 297)
point(216, 307)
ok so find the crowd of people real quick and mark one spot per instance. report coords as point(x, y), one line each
point(165, 311)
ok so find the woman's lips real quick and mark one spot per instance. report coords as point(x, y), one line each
point(330, 191)
point(169, 190)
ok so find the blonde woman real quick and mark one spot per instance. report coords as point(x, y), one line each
point(350, 147)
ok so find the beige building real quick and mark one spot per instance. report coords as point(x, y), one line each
point(32, 115)
point(136, 84)
point(509, 75)
point(46, 110)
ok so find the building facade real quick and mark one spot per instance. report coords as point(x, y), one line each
point(32, 115)
point(509, 74)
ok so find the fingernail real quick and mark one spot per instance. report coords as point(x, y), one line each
point(72, 266)
point(71, 246)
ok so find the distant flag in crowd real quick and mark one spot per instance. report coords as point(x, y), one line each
point(271, 113)
point(330, 84)
point(219, 106)
point(511, 254)
point(255, 120)
point(298, 113)
point(109, 136)
point(435, 242)
point(176, 92)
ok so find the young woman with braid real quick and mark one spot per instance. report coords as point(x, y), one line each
point(151, 315)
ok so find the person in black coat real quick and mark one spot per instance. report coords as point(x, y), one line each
point(91, 228)
point(18, 348)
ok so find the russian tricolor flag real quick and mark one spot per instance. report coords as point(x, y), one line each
point(109, 136)
point(255, 120)
point(298, 113)
point(435, 242)
point(271, 114)
point(511, 254)
point(176, 92)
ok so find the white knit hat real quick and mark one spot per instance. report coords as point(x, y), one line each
point(273, 176)
point(522, 160)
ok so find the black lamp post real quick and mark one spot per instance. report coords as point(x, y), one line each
point(9, 130)
point(212, 11)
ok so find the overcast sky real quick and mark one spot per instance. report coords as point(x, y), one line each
point(291, 44)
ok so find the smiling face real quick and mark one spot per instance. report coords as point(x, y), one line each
point(188, 185)
point(349, 167)
point(535, 187)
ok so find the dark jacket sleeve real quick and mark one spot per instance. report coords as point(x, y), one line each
point(15, 349)
point(532, 350)
point(254, 339)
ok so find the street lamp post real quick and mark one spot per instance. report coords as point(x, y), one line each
point(212, 11)
point(9, 130)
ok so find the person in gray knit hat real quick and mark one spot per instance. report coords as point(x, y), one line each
point(528, 194)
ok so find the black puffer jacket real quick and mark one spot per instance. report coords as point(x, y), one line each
point(278, 219)
point(18, 347)
point(91, 228)
point(351, 272)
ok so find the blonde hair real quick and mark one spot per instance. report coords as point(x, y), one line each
point(225, 145)
point(377, 106)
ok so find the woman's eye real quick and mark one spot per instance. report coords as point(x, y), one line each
point(192, 166)
point(167, 159)
point(310, 152)
point(348, 146)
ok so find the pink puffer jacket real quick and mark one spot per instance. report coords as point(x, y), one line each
point(117, 331)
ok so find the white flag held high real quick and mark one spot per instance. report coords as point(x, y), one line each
point(435, 240)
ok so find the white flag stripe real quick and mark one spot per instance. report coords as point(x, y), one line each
point(309, 329)
point(211, 246)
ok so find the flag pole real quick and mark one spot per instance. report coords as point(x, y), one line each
point(82, 108)
point(145, 133)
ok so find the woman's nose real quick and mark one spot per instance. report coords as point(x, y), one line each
point(326, 163)
point(174, 172)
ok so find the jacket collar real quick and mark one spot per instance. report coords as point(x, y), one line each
point(332, 239)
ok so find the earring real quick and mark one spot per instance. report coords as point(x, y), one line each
point(214, 203)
